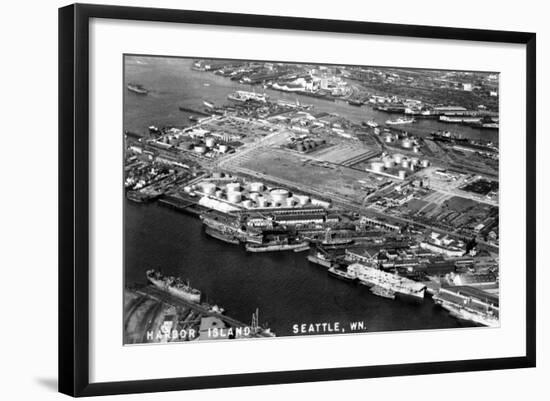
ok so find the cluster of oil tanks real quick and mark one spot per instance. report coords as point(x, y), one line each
point(251, 195)
point(398, 162)
point(308, 144)
point(209, 143)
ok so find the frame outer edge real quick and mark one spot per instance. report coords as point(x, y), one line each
point(66, 304)
point(531, 200)
point(73, 280)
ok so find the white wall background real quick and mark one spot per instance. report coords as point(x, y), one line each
point(28, 198)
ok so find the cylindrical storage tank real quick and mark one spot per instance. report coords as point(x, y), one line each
point(290, 202)
point(199, 149)
point(262, 201)
point(234, 196)
point(377, 167)
point(405, 163)
point(187, 189)
point(302, 199)
point(256, 186)
point(216, 174)
point(233, 187)
point(254, 196)
point(209, 188)
point(398, 157)
point(219, 194)
point(406, 143)
point(414, 161)
point(210, 141)
point(223, 148)
point(300, 147)
point(425, 163)
point(388, 138)
point(279, 195)
point(388, 163)
point(416, 149)
point(402, 174)
point(247, 203)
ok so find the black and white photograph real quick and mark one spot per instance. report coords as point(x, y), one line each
point(269, 199)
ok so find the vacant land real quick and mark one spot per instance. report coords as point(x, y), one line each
point(322, 177)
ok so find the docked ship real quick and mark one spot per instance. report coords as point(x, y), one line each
point(222, 236)
point(299, 246)
point(320, 259)
point(244, 96)
point(174, 286)
point(371, 277)
point(137, 88)
point(400, 121)
point(468, 308)
point(382, 292)
point(341, 274)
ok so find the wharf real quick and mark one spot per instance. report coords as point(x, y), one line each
point(165, 297)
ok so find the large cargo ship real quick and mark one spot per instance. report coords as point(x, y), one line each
point(244, 96)
point(137, 88)
point(371, 276)
point(174, 286)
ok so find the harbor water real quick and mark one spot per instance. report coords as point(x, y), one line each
point(285, 286)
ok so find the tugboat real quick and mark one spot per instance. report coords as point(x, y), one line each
point(137, 88)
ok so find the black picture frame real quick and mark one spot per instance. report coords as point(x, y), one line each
point(74, 198)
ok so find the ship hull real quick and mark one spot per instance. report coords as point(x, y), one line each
point(196, 298)
point(319, 261)
point(273, 248)
point(464, 314)
point(221, 236)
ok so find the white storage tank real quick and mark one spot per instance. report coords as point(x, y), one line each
point(256, 186)
point(414, 161)
point(223, 148)
point(209, 188)
point(402, 174)
point(234, 197)
point(247, 203)
point(377, 167)
point(388, 138)
point(398, 157)
point(405, 163)
point(254, 196)
point(279, 195)
point(388, 162)
point(233, 187)
point(425, 163)
point(290, 202)
point(406, 143)
point(210, 141)
point(302, 199)
point(219, 194)
point(416, 149)
point(262, 201)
